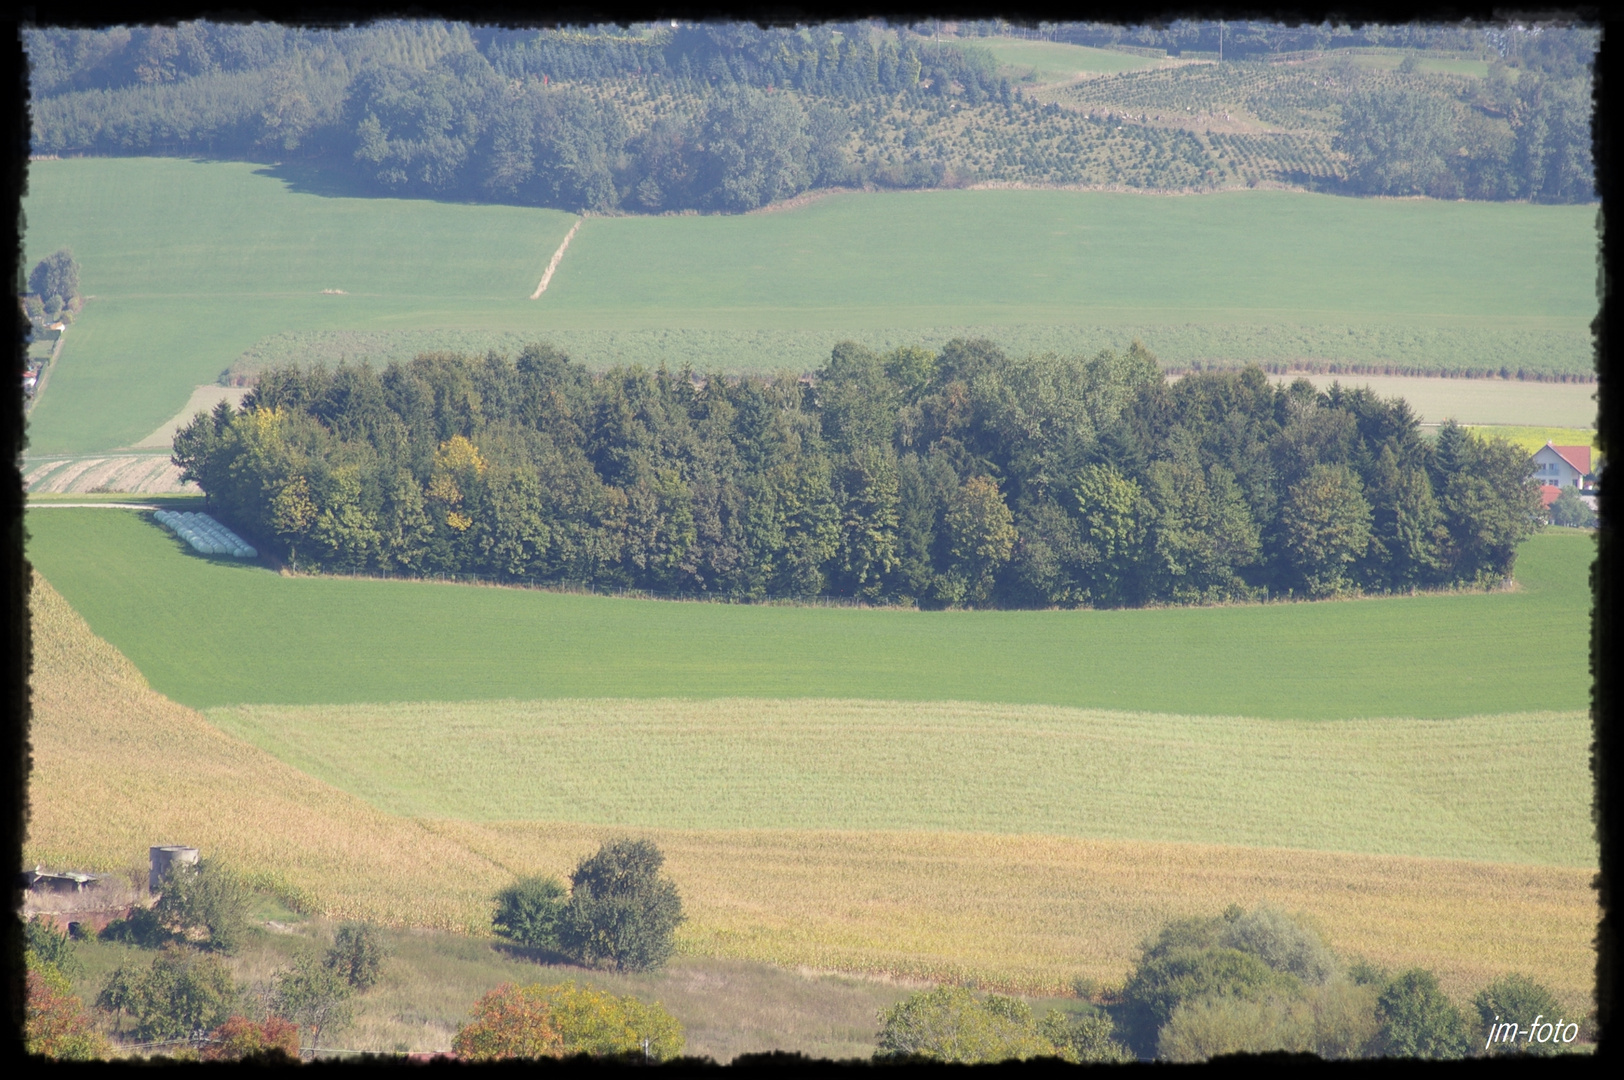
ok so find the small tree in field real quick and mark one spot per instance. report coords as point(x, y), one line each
point(357, 955)
point(314, 995)
point(208, 899)
point(55, 280)
point(530, 911)
point(622, 911)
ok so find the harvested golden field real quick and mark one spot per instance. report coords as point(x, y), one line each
point(118, 767)
point(1032, 912)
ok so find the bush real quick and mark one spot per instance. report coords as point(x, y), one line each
point(143, 928)
point(1416, 1019)
point(952, 1024)
point(57, 1025)
point(1281, 942)
point(207, 900)
point(1518, 1000)
point(1207, 1027)
point(1572, 511)
point(357, 955)
point(313, 994)
point(181, 993)
point(530, 911)
point(274, 1040)
point(1164, 980)
point(48, 945)
point(1336, 1020)
point(622, 911)
point(565, 1019)
point(1083, 1037)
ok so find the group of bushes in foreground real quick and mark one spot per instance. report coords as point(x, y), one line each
point(960, 478)
point(185, 1000)
point(1243, 982)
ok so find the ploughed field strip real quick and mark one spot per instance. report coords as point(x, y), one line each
point(1016, 911)
point(1230, 277)
point(192, 622)
point(1510, 788)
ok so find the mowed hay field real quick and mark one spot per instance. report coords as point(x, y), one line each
point(1511, 788)
point(1023, 912)
point(212, 632)
point(1230, 277)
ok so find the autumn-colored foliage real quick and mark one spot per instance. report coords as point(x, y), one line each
point(509, 1022)
point(239, 1037)
point(58, 1026)
point(563, 1020)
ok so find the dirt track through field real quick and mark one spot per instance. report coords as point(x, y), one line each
point(558, 257)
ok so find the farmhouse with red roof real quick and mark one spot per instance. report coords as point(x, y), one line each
point(1564, 466)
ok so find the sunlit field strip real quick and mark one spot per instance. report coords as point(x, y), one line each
point(217, 632)
point(1498, 788)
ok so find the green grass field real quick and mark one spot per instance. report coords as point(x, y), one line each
point(210, 632)
point(189, 265)
point(1051, 61)
point(1503, 789)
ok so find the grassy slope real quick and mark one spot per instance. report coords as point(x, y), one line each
point(1052, 61)
point(1019, 911)
point(210, 632)
point(175, 305)
point(430, 981)
point(1502, 788)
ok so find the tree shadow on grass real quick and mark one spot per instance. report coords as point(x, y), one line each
point(533, 955)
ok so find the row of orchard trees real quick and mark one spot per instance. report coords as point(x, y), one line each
point(965, 478)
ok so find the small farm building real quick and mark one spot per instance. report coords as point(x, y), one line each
point(1564, 466)
point(41, 880)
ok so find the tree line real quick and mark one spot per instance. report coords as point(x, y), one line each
point(1516, 135)
point(725, 117)
point(433, 108)
point(960, 478)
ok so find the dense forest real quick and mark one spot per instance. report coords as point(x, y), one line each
point(964, 478)
point(729, 117)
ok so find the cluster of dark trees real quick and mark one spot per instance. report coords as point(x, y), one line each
point(53, 288)
point(1560, 50)
point(721, 117)
point(1261, 980)
point(436, 109)
point(964, 478)
point(1527, 137)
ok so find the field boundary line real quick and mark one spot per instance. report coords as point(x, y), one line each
point(88, 505)
point(558, 257)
